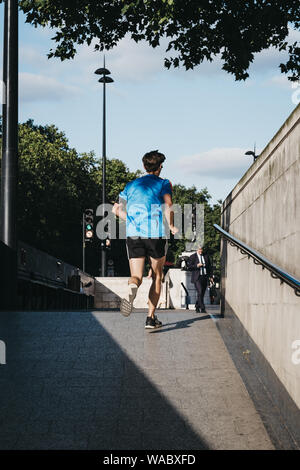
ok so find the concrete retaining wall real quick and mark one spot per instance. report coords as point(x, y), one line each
point(110, 290)
point(263, 210)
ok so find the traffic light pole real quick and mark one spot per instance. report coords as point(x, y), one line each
point(9, 170)
point(83, 244)
point(87, 231)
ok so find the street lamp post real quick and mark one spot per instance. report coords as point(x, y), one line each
point(104, 79)
point(9, 166)
point(253, 153)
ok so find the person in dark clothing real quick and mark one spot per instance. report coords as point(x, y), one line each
point(212, 291)
point(200, 265)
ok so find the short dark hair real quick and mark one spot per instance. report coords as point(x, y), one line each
point(152, 160)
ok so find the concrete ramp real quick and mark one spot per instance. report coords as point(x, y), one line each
point(84, 380)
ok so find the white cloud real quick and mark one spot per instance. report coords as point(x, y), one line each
point(282, 81)
point(222, 163)
point(127, 61)
point(134, 62)
point(35, 87)
point(269, 59)
point(30, 55)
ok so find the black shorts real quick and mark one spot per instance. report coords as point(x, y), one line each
point(137, 247)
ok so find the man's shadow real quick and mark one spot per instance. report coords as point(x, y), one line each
point(180, 324)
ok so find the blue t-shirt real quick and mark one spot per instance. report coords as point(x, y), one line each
point(144, 197)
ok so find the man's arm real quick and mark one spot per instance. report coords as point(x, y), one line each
point(119, 211)
point(191, 263)
point(169, 213)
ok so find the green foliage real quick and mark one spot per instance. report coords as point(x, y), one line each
point(212, 239)
point(56, 184)
point(212, 215)
point(196, 30)
point(117, 176)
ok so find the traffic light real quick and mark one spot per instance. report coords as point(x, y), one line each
point(88, 224)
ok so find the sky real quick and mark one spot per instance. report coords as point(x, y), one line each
point(202, 120)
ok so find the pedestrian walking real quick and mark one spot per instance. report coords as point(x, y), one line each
point(200, 265)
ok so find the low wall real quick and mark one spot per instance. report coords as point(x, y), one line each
point(263, 210)
point(110, 290)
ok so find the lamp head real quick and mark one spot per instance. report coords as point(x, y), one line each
point(105, 79)
point(102, 71)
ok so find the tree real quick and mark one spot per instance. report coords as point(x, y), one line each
point(212, 239)
point(117, 176)
point(196, 30)
point(55, 186)
point(212, 215)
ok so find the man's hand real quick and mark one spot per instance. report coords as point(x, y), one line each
point(118, 210)
point(169, 213)
point(174, 229)
point(199, 265)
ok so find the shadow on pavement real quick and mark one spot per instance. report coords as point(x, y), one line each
point(67, 384)
point(179, 324)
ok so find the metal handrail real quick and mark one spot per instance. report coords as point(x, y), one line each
point(186, 296)
point(259, 259)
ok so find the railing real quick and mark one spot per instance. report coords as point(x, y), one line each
point(186, 296)
point(45, 282)
point(259, 259)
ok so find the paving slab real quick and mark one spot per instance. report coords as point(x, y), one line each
point(97, 380)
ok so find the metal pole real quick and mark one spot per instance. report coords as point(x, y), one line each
point(103, 257)
point(4, 78)
point(83, 245)
point(9, 173)
point(104, 79)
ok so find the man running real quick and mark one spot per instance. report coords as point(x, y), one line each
point(145, 231)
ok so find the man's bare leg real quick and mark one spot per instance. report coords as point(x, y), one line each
point(155, 289)
point(136, 266)
point(136, 277)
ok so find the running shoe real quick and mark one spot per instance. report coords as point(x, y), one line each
point(127, 301)
point(152, 323)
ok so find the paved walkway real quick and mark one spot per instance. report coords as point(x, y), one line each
point(83, 380)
